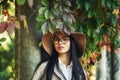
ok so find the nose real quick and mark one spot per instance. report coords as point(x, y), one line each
point(60, 41)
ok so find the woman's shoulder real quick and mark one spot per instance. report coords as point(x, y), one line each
point(40, 71)
point(41, 67)
point(43, 64)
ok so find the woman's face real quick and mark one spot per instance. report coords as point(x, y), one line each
point(62, 43)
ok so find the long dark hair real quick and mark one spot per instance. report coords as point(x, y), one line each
point(77, 71)
point(50, 66)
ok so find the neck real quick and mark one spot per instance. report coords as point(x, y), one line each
point(65, 58)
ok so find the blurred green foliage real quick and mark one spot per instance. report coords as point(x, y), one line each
point(2, 40)
point(7, 63)
point(96, 19)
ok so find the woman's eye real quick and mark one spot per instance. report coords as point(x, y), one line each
point(65, 39)
point(56, 39)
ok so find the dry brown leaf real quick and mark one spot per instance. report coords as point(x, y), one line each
point(30, 3)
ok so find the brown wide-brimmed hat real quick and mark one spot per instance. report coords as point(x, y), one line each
point(79, 38)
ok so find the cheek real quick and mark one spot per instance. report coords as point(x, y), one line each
point(68, 46)
point(55, 46)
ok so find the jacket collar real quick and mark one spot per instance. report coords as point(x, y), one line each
point(59, 73)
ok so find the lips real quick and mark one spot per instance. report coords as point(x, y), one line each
point(60, 47)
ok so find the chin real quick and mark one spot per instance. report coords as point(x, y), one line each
point(62, 52)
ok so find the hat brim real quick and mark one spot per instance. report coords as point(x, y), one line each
point(80, 40)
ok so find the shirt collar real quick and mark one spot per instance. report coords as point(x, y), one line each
point(62, 64)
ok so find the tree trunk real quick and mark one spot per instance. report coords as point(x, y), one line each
point(117, 65)
point(117, 57)
point(108, 68)
point(27, 53)
point(103, 70)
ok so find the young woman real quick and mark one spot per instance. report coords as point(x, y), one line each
point(65, 51)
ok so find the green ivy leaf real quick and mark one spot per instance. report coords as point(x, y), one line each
point(79, 6)
point(68, 18)
point(44, 28)
point(52, 26)
point(79, 3)
point(87, 5)
point(68, 29)
point(109, 4)
point(56, 5)
point(46, 14)
point(90, 13)
point(21, 2)
point(67, 3)
point(61, 8)
point(114, 21)
point(99, 21)
point(81, 28)
point(117, 42)
point(55, 11)
point(89, 32)
point(45, 2)
point(40, 18)
point(108, 14)
point(2, 39)
point(103, 2)
point(94, 35)
point(42, 10)
point(104, 30)
point(49, 15)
